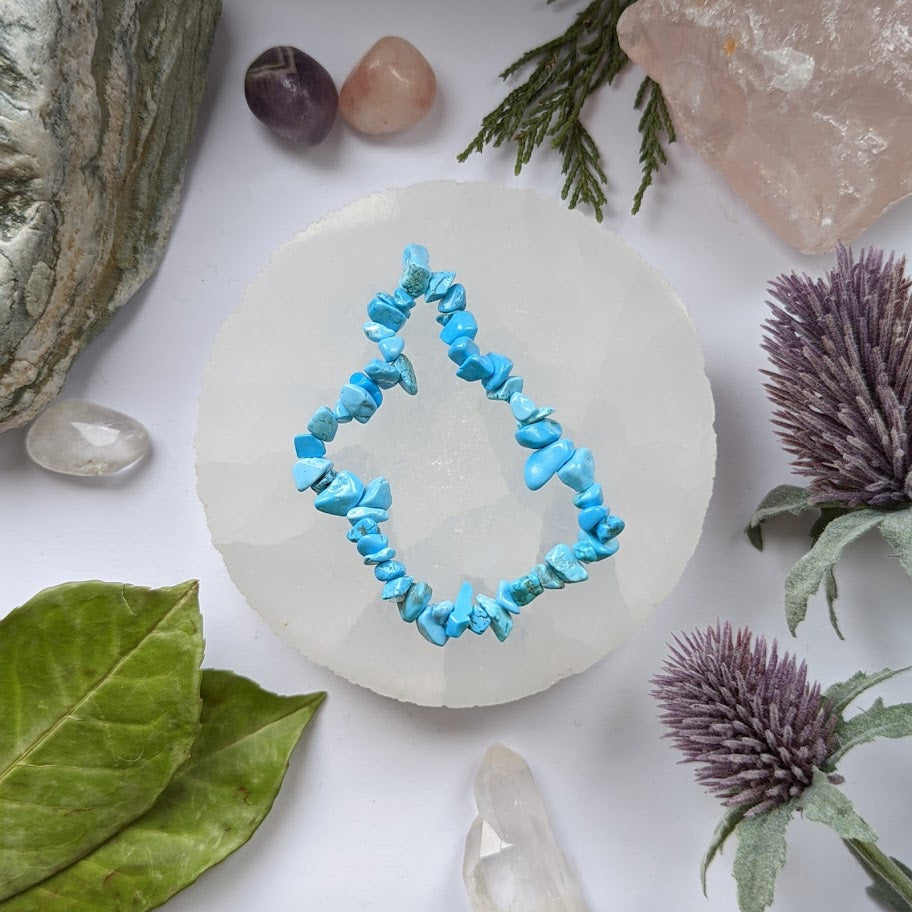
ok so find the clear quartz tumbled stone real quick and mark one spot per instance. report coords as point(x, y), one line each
point(75, 437)
point(512, 861)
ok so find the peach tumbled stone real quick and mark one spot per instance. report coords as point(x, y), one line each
point(391, 88)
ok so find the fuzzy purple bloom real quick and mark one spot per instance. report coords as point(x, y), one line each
point(841, 349)
point(751, 722)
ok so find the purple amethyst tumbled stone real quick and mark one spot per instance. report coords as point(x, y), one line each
point(292, 94)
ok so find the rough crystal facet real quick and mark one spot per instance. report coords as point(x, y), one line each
point(805, 108)
point(512, 861)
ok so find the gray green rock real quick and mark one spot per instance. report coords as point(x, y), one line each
point(98, 105)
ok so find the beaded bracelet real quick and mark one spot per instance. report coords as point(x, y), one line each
point(366, 506)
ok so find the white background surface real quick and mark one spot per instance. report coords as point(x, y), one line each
point(376, 804)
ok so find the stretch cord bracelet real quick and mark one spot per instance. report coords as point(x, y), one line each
point(366, 506)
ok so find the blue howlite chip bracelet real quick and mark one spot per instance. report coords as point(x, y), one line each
point(365, 505)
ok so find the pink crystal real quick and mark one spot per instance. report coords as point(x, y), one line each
point(804, 107)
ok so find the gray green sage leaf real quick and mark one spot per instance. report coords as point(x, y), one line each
point(824, 802)
point(724, 829)
point(880, 721)
point(760, 856)
point(896, 528)
point(212, 806)
point(99, 706)
point(780, 500)
point(840, 695)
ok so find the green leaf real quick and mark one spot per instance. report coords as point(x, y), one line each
point(781, 500)
point(896, 529)
point(99, 705)
point(879, 721)
point(809, 572)
point(724, 829)
point(841, 694)
point(760, 856)
point(892, 880)
point(824, 802)
point(212, 806)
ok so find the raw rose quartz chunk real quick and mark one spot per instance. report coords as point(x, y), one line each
point(391, 88)
point(805, 108)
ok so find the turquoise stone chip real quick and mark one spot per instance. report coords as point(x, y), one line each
point(453, 300)
point(547, 577)
point(396, 588)
point(430, 628)
point(376, 332)
point(505, 597)
point(525, 589)
point(590, 517)
point(308, 445)
point(389, 570)
point(343, 494)
point(521, 407)
point(462, 324)
point(461, 614)
point(583, 550)
point(416, 600)
point(590, 497)
point(443, 319)
point(403, 300)
point(610, 527)
point(386, 314)
point(507, 389)
point(361, 528)
point(382, 373)
point(479, 620)
point(415, 270)
point(377, 494)
point(307, 471)
point(358, 513)
point(578, 472)
point(475, 367)
point(391, 348)
point(407, 379)
point(323, 424)
point(321, 484)
point(538, 435)
point(402, 305)
point(359, 378)
point(371, 544)
point(538, 415)
point(464, 347)
point(501, 622)
point(601, 549)
point(340, 413)
point(502, 366)
point(564, 563)
point(438, 286)
point(542, 464)
point(357, 401)
point(380, 557)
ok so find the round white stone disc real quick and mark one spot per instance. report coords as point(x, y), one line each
point(595, 332)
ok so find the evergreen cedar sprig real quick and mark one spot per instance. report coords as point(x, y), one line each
point(547, 106)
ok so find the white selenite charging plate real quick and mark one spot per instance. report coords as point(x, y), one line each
point(596, 333)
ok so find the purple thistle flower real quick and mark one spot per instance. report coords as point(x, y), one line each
point(841, 349)
point(750, 721)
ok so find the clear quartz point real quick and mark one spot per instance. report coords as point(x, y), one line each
point(75, 437)
point(512, 861)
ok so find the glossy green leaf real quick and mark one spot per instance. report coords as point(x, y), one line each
point(99, 705)
point(840, 695)
point(724, 829)
point(781, 500)
point(824, 802)
point(880, 721)
point(212, 806)
point(760, 856)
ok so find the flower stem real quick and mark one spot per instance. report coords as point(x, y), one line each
point(892, 881)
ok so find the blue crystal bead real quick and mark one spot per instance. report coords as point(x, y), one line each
point(462, 324)
point(430, 627)
point(415, 601)
point(438, 286)
point(389, 570)
point(376, 332)
point(308, 445)
point(386, 314)
point(479, 620)
point(590, 517)
point(525, 589)
point(371, 544)
point(462, 348)
point(380, 557)
point(583, 550)
point(341, 413)
point(360, 529)
point(538, 435)
point(377, 494)
point(501, 367)
point(578, 472)
point(453, 300)
point(355, 514)
point(307, 471)
point(505, 597)
point(542, 464)
point(357, 401)
point(521, 407)
point(343, 494)
point(407, 379)
point(590, 497)
point(564, 563)
point(461, 614)
point(501, 622)
point(382, 373)
point(507, 389)
point(321, 484)
point(391, 348)
point(403, 300)
point(475, 367)
point(396, 588)
point(547, 577)
point(361, 379)
point(323, 424)
point(610, 527)
point(415, 270)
